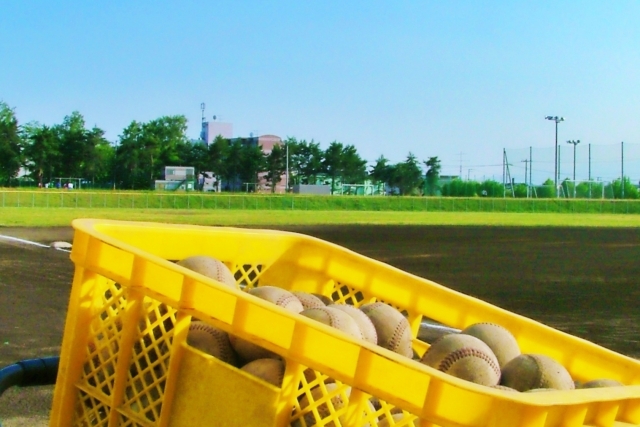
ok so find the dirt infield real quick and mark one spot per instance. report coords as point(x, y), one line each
point(583, 281)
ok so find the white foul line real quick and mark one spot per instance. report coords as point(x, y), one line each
point(15, 239)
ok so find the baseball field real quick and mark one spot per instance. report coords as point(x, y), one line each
point(575, 272)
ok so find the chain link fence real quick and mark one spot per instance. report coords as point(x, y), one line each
point(150, 200)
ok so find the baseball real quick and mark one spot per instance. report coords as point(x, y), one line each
point(308, 300)
point(392, 328)
point(535, 371)
point(210, 267)
point(364, 323)
point(327, 407)
point(211, 340)
point(399, 420)
point(464, 357)
point(278, 296)
point(269, 370)
point(335, 318)
point(325, 299)
point(603, 382)
point(499, 340)
point(337, 402)
point(248, 351)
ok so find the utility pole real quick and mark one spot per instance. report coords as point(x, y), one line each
point(589, 171)
point(504, 172)
point(622, 161)
point(526, 170)
point(530, 167)
point(286, 185)
point(555, 178)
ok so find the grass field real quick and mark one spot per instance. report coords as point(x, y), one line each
point(294, 202)
point(47, 217)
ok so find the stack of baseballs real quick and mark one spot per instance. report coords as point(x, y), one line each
point(483, 353)
point(488, 354)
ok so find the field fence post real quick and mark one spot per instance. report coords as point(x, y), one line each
point(18, 199)
point(76, 200)
point(188, 204)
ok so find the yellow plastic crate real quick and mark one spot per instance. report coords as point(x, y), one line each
point(125, 360)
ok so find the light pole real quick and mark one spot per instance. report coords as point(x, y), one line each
point(555, 177)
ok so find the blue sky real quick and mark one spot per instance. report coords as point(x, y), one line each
point(460, 80)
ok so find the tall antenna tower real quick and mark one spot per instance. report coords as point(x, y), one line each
point(202, 134)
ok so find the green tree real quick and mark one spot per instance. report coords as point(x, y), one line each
point(129, 172)
point(160, 142)
point(252, 162)
point(309, 157)
point(343, 162)
point(589, 190)
point(275, 166)
point(96, 157)
point(218, 154)
point(547, 190)
point(234, 165)
point(194, 154)
point(630, 191)
point(145, 149)
point(460, 188)
point(381, 171)
point(332, 163)
point(41, 151)
point(354, 168)
point(407, 176)
point(433, 175)
point(491, 188)
point(10, 143)
point(71, 145)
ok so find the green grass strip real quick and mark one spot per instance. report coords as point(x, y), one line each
point(46, 217)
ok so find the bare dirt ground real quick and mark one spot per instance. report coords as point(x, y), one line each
point(583, 281)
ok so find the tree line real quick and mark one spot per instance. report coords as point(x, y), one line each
point(137, 158)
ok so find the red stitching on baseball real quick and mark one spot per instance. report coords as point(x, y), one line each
point(452, 358)
point(219, 337)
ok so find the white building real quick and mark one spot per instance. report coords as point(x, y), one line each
point(212, 129)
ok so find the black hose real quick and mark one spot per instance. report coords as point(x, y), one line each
point(30, 372)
